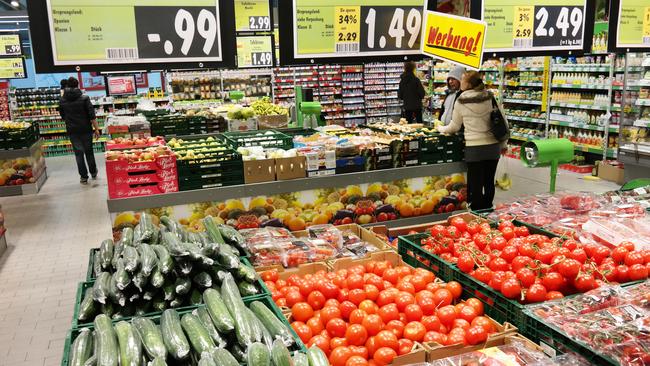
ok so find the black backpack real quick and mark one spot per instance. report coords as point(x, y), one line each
point(499, 126)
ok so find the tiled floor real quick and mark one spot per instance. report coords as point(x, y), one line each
point(49, 236)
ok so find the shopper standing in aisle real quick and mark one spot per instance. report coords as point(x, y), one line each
point(78, 112)
point(473, 111)
point(411, 92)
point(453, 91)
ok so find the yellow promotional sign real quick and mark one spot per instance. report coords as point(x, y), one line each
point(545, 86)
point(456, 39)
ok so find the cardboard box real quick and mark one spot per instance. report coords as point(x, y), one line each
point(273, 122)
point(258, 171)
point(390, 256)
point(437, 352)
point(611, 172)
point(301, 270)
point(238, 125)
point(290, 168)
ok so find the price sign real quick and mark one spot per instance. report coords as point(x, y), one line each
point(10, 45)
point(633, 24)
point(254, 51)
point(252, 15)
point(344, 28)
point(12, 68)
point(134, 31)
point(542, 25)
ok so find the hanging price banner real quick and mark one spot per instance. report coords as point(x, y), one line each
point(252, 16)
point(541, 25)
point(10, 45)
point(254, 51)
point(12, 68)
point(630, 21)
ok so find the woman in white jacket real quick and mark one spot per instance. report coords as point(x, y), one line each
point(482, 150)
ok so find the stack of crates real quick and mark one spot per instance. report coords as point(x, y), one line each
point(438, 149)
point(169, 125)
point(11, 139)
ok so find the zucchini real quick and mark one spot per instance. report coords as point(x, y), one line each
point(148, 259)
point(87, 307)
point(247, 289)
point(212, 230)
point(246, 273)
point(258, 355)
point(101, 287)
point(82, 348)
point(117, 253)
point(158, 361)
point(130, 345)
point(114, 293)
point(173, 336)
point(203, 279)
point(227, 257)
point(127, 236)
point(197, 334)
point(92, 361)
point(218, 310)
point(195, 297)
point(106, 253)
point(280, 354)
point(157, 279)
point(224, 358)
point(107, 350)
point(300, 359)
point(207, 360)
point(204, 316)
point(151, 337)
point(165, 261)
point(131, 259)
point(121, 275)
point(174, 245)
point(317, 357)
point(97, 263)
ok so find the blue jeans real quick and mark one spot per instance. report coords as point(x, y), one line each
point(82, 145)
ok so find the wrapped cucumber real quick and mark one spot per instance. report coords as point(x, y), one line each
point(101, 287)
point(224, 358)
point(82, 348)
point(176, 303)
point(117, 253)
point(114, 293)
point(165, 261)
point(207, 360)
point(195, 297)
point(212, 230)
point(158, 361)
point(246, 273)
point(169, 291)
point(157, 280)
point(182, 286)
point(151, 337)
point(107, 348)
point(148, 259)
point(131, 259)
point(185, 266)
point(210, 249)
point(271, 322)
point(227, 258)
point(145, 228)
point(218, 311)
point(173, 336)
point(106, 253)
point(203, 279)
point(169, 224)
point(92, 361)
point(87, 307)
point(97, 263)
point(198, 336)
point(130, 345)
point(238, 352)
point(127, 236)
point(203, 315)
point(121, 275)
point(237, 309)
point(248, 289)
point(195, 253)
point(158, 303)
point(174, 245)
point(140, 280)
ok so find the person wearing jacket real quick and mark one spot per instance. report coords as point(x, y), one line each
point(411, 92)
point(78, 112)
point(453, 91)
point(472, 111)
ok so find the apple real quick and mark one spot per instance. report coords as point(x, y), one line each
point(346, 221)
point(382, 217)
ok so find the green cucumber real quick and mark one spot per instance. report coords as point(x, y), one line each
point(174, 245)
point(207, 360)
point(195, 297)
point(82, 348)
point(256, 327)
point(146, 228)
point(227, 257)
point(169, 224)
point(168, 291)
point(106, 253)
point(194, 238)
point(114, 293)
point(280, 354)
point(117, 253)
point(224, 358)
point(184, 266)
point(246, 273)
point(108, 309)
point(210, 249)
point(173, 336)
point(197, 334)
point(258, 355)
point(158, 303)
point(157, 279)
point(247, 289)
point(238, 352)
point(317, 357)
point(97, 263)
point(87, 307)
point(165, 261)
point(144, 308)
point(92, 361)
point(131, 259)
point(151, 337)
point(271, 322)
point(232, 299)
point(148, 259)
point(233, 237)
point(121, 275)
point(203, 279)
point(212, 230)
point(101, 287)
point(176, 303)
point(300, 359)
point(140, 280)
point(204, 316)
point(195, 253)
point(127, 236)
point(182, 286)
point(218, 310)
point(158, 361)
point(107, 349)
point(130, 345)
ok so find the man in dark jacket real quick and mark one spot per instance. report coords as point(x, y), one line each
point(78, 113)
point(411, 92)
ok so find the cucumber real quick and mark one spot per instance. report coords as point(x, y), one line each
point(146, 228)
point(203, 279)
point(106, 253)
point(207, 360)
point(256, 327)
point(204, 316)
point(258, 355)
point(101, 287)
point(184, 266)
point(212, 230)
point(173, 336)
point(127, 236)
point(182, 286)
point(155, 238)
point(165, 261)
point(271, 322)
point(158, 361)
point(168, 291)
point(117, 253)
point(97, 263)
point(195, 253)
point(247, 289)
point(210, 249)
point(224, 358)
point(144, 308)
point(92, 361)
point(87, 307)
point(280, 354)
point(114, 293)
point(233, 237)
point(130, 345)
point(148, 295)
point(157, 279)
point(121, 275)
point(107, 350)
point(169, 224)
point(238, 352)
point(174, 245)
point(218, 311)
point(227, 257)
point(317, 357)
point(148, 259)
point(108, 309)
point(300, 359)
point(82, 348)
point(176, 303)
point(151, 337)
point(237, 309)
point(158, 303)
point(197, 334)
point(140, 280)
point(131, 259)
point(195, 297)
point(246, 273)
point(194, 238)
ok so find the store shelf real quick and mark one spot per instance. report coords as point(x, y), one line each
point(279, 187)
point(581, 68)
point(583, 126)
point(511, 84)
point(21, 153)
point(416, 220)
point(634, 157)
point(522, 101)
point(642, 123)
point(580, 106)
point(525, 119)
point(525, 69)
point(581, 86)
point(642, 102)
point(522, 138)
point(594, 150)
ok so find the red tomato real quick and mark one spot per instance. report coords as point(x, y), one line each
point(585, 282)
point(638, 272)
point(293, 297)
point(373, 324)
point(340, 356)
point(554, 295)
point(386, 338)
point(336, 327)
point(468, 313)
point(356, 335)
point(484, 322)
point(368, 306)
point(521, 231)
point(553, 281)
point(396, 327)
point(404, 299)
point(372, 291)
point(578, 254)
point(315, 325)
point(388, 312)
point(405, 346)
point(436, 337)
point(622, 273)
point(460, 323)
point(569, 268)
point(338, 342)
point(371, 345)
point(459, 223)
point(356, 296)
point(536, 293)
point(446, 314)
point(302, 330)
point(635, 257)
point(360, 351)
point(328, 289)
point(413, 312)
point(271, 275)
point(387, 297)
point(357, 361)
point(328, 313)
point(357, 316)
point(302, 312)
point(320, 342)
point(442, 297)
point(428, 305)
point(346, 308)
point(431, 323)
point(511, 288)
point(476, 304)
point(465, 262)
point(476, 335)
point(316, 299)
point(520, 262)
point(384, 356)
point(415, 331)
point(455, 288)
point(526, 276)
point(508, 232)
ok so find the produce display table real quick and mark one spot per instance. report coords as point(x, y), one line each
point(23, 170)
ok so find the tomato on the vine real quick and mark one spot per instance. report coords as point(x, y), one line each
point(638, 272)
point(536, 293)
point(569, 268)
point(526, 276)
point(584, 282)
point(520, 262)
point(635, 257)
point(553, 281)
point(508, 232)
point(459, 223)
point(511, 288)
point(465, 262)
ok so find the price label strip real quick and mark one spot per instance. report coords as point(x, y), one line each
point(254, 51)
point(347, 28)
point(646, 26)
point(252, 15)
point(10, 45)
point(522, 30)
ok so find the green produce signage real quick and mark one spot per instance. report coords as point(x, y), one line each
point(12, 68)
point(540, 25)
point(633, 24)
point(10, 45)
point(252, 16)
point(348, 28)
point(255, 51)
point(134, 31)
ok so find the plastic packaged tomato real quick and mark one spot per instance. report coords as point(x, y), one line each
point(567, 359)
point(266, 253)
point(514, 354)
point(322, 249)
point(327, 232)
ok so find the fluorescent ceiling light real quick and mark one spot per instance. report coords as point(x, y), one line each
point(15, 4)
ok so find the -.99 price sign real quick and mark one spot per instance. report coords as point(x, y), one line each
point(356, 28)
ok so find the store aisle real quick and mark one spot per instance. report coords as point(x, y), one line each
point(49, 236)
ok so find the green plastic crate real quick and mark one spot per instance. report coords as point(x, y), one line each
point(265, 138)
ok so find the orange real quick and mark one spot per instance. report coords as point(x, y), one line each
point(296, 224)
point(406, 210)
point(320, 219)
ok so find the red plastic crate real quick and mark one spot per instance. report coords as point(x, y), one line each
point(144, 178)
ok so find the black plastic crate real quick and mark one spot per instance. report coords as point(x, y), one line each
point(404, 159)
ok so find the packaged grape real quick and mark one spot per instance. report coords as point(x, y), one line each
point(327, 232)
